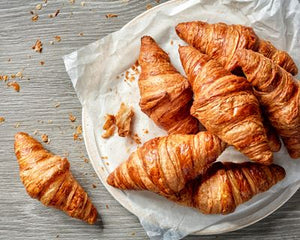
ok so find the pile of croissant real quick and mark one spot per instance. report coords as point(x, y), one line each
point(242, 91)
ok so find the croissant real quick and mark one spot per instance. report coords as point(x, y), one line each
point(279, 94)
point(272, 136)
point(165, 164)
point(227, 185)
point(225, 105)
point(220, 41)
point(47, 177)
point(165, 94)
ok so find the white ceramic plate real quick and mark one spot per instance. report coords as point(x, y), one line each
point(275, 201)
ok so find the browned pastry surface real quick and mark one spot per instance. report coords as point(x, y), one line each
point(221, 41)
point(165, 164)
point(47, 177)
point(165, 94)
point(226, 186)
point(225, 105)
point(279, 94)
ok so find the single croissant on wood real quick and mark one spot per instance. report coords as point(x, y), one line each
point(227, 185)
point(279, 94)
point(225, 105)
point(165, 94)
point(47, 177)
point(165, 164)
point(221, 41)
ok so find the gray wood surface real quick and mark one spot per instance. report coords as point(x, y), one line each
point(34, 106)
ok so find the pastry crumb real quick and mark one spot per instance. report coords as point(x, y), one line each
point(82, 4)
point(38, 46)
point(124, 119)
point(104, 157)
point(79, 129)
point(72, 117)
point(35, 18)
point(13, 76)
point(86, 160)
point(57, 38)
point(111, 15)
point(146, 131)
point(38, 6)
point(17, 125)
point(102, 168)
point(19, 75)
point(14, 85)
point(35, 132)
point(107, 163)
point(54, 14)
point(81, 34)
point(56, 105)
point(45, 138)
point(148, 6)
point(66, 154)
point(51, 42)
point(75, 136)
point(72, 1)
point(42, 63)
point(94, 185)
point(109, 126)
point(2, 120)
point(136, 138)
point(133, 234)
point(107, 207)
point(171, 42)
point(50, 121)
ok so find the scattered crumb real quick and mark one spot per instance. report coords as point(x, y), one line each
point(13, 76)
point(2, 119)
point(42, 63)
point(38, 7)
point(35, 132)
point(57, 236)
point(17, 125)
point(31, 12)
point(104, 157)
point(45, 138)
point(102, 168)
point(79, 129)
point(75, 136)
point(38, 46)
point(94, 185)
point(9, 60)
point(50, 121)
point(86, 160)
point(14, 85)
point(81, 34)
point(149, 6)
point(171, 42)
point(54, 14)
point(45, 1)
point(133, 234)
point(107, 163)
point(136, 138)
point(51, 42)
point(19, 75)
point(123, 120)
point(146, 131)
point(109, 126)
point(111, 15)
point(72, 118)
point(57, 38)
point(56, 105)
point(82, 4)
point(72, 1)
point(106, 206)
point(66, 154)
point(35, 18)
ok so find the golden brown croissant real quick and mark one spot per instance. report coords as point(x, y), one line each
point(220, 41)
point(225, 105)
point(225, 186)
point(279, 94)
point(165, 164)
point(165, 94)
point(47, 177)
point(272, 136)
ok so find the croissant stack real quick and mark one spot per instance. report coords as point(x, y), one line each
point(165, 164)
point(165, 94)
point(225, 105)
point(206, 38)
point(279, 94)
point(227, 185)
point(47, 177)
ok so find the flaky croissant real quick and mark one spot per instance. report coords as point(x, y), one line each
point(225, 105)
point(279, 94)
point(220, 41)
point(227, 185)
point(165, 164)
point(165, 94)
point(47, 177)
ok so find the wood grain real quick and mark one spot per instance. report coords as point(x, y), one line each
point(41, 88)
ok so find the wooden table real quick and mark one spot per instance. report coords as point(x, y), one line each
point(43, 105)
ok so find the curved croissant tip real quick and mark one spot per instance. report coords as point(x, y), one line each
point(147, 39)
point(21, 135)
point(111, 180)
point(180, 27)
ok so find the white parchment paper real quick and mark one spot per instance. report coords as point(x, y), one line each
point(96, 73)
